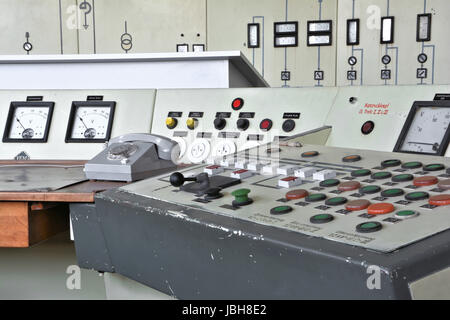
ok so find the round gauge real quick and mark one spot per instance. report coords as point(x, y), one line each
point(28, 122)
point(90, 121)
point(427, 131)
point(224, 148)
point(199, 150)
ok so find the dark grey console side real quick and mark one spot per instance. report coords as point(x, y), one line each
point(192, 254)
point(90, 244)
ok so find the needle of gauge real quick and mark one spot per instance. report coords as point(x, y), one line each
point(20, 123)
point(426, 144)
point(81, 119)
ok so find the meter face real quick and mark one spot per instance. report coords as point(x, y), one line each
point(90, 122)
point(427, 131)
point(28, 122)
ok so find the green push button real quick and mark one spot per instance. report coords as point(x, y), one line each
point(417, 196)
point(434, 167)
point(391, 193)
point(412, 165)
point(336, 201)
point(406, 214)
point(391, 163)
point(381, 175)
point(370, 189)
point(321, 218)
point(280, 210)
point(315, 197)
point(368, 227)
point(403, 178)
point(329, 183)
point(241, 197)
point(361, 173)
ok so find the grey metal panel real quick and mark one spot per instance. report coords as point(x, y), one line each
point(205, 256)
point(90, 245)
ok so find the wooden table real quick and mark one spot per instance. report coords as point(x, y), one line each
point(29, 217)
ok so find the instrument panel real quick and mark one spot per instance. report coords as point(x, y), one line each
point(426, 130)
point(90, 121)
point(28, 122)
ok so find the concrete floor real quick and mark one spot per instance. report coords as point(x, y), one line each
point(39, 272)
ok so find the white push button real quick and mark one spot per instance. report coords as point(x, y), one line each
point(213, 170)
point(254, 166)
point(270, 169)
point(241, 174)
point(305, 172)
point(286, 170)
point(289, 182)
point(324, 175)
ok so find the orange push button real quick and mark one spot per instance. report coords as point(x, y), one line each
point(357, 205)
point(296, 194)
point(440, 200)
point(425, 181)
point(349, 186)
point(380, 208)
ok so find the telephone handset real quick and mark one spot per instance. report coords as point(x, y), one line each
point(133, 157)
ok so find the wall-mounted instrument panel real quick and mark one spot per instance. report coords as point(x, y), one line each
point(69, 124)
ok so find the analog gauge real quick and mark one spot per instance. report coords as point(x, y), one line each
point(426, 131)
point(90, 121)
point(28, 122)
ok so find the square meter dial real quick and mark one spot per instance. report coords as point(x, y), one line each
point(28, 122)
point(426, 130)
point(90, 121)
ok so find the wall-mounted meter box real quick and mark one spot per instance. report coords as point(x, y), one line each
point(387, 30)
point(286, 34)
point(424, 27)
point(319, 33)
point(353, 32)
point(253, 35)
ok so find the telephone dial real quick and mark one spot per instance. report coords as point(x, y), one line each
point(133, 157)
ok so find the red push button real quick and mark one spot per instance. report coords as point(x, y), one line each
point(296, 194)
point(357, 205)
point(425, 181)
point(265, 125)
point(237, 104)
point(380, 208)
point(440, 200)
point(349, 186)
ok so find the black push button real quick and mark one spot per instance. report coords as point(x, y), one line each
point(381, 175)
point(321, 218)
point(370, 189)
point(403, 178)
point(368, 227)
point(361, 173)
point(288, 125)
point(243, 124)
point(336, 201)
point(434, 167)
point(315, 197)
point(280, 210)
point(391, 163)
point(220, 123)
point(391, 193)
point(412, 165)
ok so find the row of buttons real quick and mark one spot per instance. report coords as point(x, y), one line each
point(242, 124)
